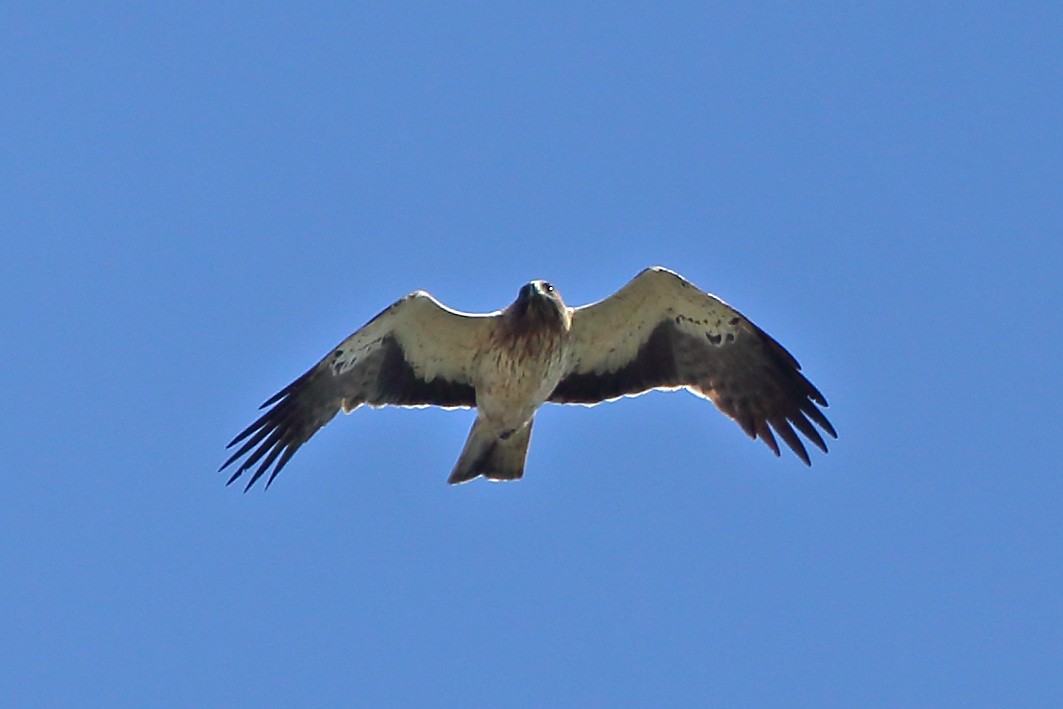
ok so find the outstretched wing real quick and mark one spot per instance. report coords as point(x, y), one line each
point(414, 353)
point(662, 332)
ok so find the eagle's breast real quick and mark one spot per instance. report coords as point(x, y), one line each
point(518, 370)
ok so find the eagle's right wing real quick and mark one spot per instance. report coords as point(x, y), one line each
point(417, 352)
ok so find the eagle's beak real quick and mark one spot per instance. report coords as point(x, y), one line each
point(527, 292)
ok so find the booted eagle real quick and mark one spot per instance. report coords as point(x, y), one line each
point(658, 332)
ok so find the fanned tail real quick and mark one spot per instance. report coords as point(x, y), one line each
point(494, 457)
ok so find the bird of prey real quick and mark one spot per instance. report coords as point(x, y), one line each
point(657, 332)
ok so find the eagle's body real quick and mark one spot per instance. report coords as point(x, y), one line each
point(523, 358)
point(658, 332)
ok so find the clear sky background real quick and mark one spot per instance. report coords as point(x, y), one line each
point(199, 201)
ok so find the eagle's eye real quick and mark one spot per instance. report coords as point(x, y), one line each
point(548, 288)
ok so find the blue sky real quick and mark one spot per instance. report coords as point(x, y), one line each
point(199, 201)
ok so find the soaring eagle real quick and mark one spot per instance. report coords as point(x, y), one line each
point(657, 332)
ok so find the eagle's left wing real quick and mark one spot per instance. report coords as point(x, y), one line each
point(662, 332)
point(417, 352)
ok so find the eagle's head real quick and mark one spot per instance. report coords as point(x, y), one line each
point(538, 304)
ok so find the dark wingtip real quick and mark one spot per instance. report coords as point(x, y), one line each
point(289, 451)
point(229, 462)
point(763, 431)
point(782, 427)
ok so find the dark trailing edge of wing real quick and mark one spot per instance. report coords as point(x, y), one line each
point(762, 393)
point(654, 366)
point(399, 385)
point(311, 401)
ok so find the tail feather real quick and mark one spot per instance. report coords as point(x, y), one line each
point(494, 457)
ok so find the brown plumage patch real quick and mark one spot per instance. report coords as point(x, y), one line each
point(749, 376)
point(652, 367)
